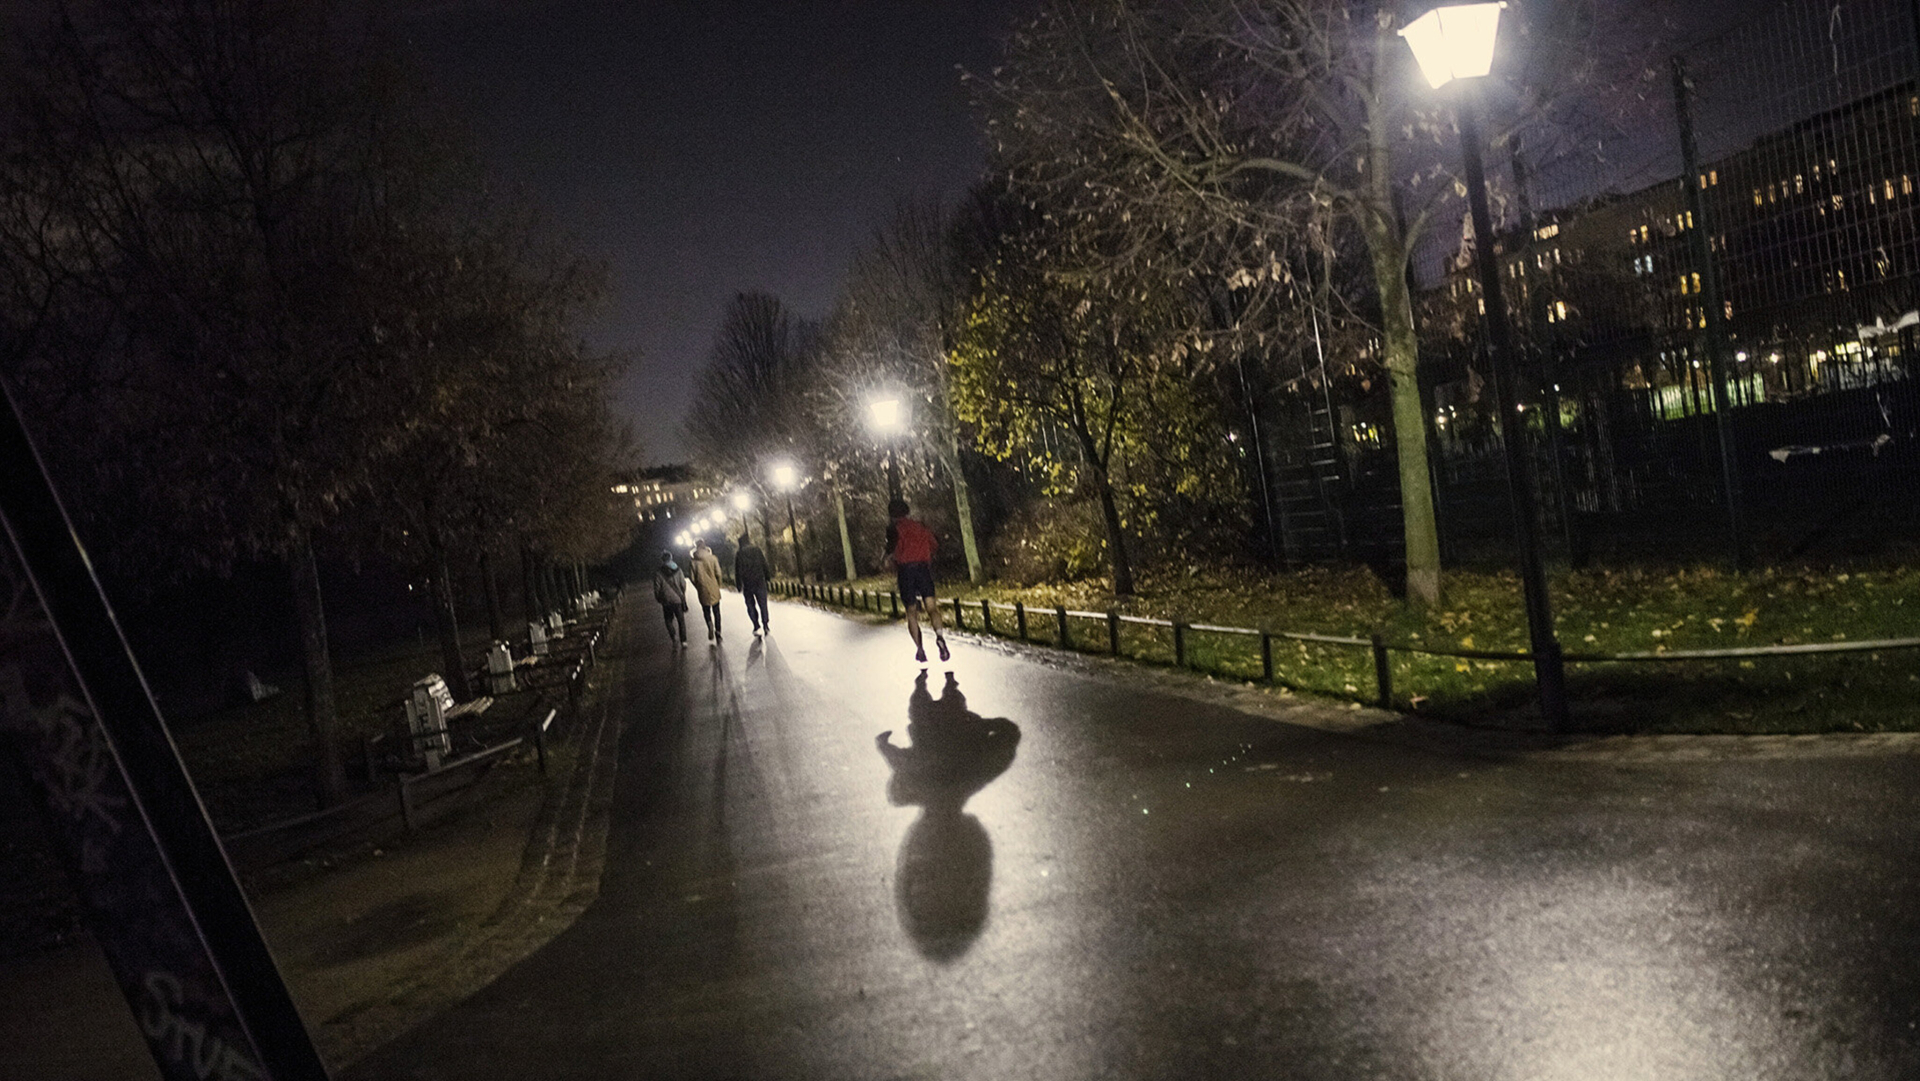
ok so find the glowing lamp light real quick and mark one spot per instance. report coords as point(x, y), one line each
point(785, 475)
point(885, 414)
point(1454, 42)
point(741, 501)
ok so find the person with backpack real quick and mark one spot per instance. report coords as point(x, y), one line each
point(910, 548)
point(670, 589)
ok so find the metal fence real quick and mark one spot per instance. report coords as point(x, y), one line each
point(1719, 312)
point(1373, 670)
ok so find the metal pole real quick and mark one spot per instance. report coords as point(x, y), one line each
point(793, 536)
point(1549, 671)
point(893, 475)
point(155, 883)
point(1699, 240)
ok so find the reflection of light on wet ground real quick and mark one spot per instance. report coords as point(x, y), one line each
point(1581, 976)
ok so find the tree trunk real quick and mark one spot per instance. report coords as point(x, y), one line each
point(1409, 416)
point(529, 587)
point(1116, 540)
point(846, 538)
point(322, 717)
point(496, 623)
point(963, 507)
point(1387, 242)
point(447, 622)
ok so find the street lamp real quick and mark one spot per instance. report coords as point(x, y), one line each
point(884, 411)
point(787, 478)
point(742, 502)
point(1456, 43)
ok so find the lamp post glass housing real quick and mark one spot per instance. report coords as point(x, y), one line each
point(1456, 43)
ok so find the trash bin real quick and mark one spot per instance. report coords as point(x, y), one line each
point(427, 709)
point(500, 669)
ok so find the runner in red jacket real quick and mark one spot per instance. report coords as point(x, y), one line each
point(910, 548)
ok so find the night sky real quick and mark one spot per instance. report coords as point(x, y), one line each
point(705, 147)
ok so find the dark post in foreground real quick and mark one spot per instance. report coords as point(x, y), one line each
point(1549, 671)
point(159, 894)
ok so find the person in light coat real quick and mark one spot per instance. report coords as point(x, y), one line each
point(706, 583)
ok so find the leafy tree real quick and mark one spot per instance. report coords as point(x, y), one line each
point(1089, 381)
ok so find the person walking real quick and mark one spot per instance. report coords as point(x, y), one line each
point(670, 589)
point(750, 573)
point(910, 548)
point(706, 583)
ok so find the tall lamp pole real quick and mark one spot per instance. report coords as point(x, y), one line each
point(786, 478)
point(885, 413)
point(743, 502)
point(1456, 43)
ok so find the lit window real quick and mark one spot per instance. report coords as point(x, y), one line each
point(1839, 201)
point(1560, 308)
point(1756, 197)
point(1889, 187)
point(1713, 177)
point(1696, 282)
point(1799, 183)
point(1683, 285)
point(1906, 184)
point(1727, 308)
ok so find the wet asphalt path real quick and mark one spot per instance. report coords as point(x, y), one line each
point(1056, 878)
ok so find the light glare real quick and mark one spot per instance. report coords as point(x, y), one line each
point(885, 412)
point(1454, 42)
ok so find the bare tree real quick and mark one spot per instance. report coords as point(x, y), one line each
point(1289, 121)
point(898, 318)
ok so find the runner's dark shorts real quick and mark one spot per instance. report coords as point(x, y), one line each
point(916, 581)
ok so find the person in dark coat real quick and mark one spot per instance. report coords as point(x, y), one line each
point(670, 589)
point(750, 573)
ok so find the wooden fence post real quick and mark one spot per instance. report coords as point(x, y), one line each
point(1266, 656)
point(1020, 618)
point(1113, 631)
point(1383, 672)
point(1060, 625)
point(1179, 644)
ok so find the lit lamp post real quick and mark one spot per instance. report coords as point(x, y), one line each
point(787, 478)
point(885, 412)
point(743, 502)
point(1457, 43)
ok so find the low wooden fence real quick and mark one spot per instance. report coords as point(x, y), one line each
point(1141, 637)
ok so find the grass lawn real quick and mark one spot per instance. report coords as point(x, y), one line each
point(1594, 611)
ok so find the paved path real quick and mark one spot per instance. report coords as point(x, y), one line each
point(1047, 873)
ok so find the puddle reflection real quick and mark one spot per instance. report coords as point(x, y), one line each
point(946, 861)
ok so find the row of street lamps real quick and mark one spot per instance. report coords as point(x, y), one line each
point(1453, 43)
point(887, 415)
